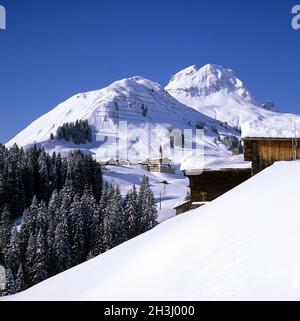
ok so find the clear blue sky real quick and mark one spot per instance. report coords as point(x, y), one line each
point(53, 49)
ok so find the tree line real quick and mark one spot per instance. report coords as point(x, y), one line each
point(76, 222)
point(79, 132)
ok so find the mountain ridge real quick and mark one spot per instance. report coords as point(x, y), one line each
point(142, 103)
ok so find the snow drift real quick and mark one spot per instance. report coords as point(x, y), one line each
point(244, 245)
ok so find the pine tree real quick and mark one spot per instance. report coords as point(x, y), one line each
point(5, 233)
point(43, 219)
point(44, 177)
point(114, 232)
point(54, 208)
point(92, 220)
point(76, 231)
point(29, 272)
point(61, 246)
point(10, 284)
point(20, 281)
point(146, 207)
point(131, 213)
point(12, 258)
point(39, 263)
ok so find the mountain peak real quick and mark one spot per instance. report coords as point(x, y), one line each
point(215, 91)
point(207, 80)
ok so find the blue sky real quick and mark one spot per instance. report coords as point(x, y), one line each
point(53, 49)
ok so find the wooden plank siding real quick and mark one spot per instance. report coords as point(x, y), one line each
point(212, 184)
point(264, 152)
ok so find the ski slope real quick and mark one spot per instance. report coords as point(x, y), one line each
point(244, 245)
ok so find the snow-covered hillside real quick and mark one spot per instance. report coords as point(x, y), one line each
point(244, 245)
point(146, 107)
point(220, 94)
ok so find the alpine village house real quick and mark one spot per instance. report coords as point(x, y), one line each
point(208, 184)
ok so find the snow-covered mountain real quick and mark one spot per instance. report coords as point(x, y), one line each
point(144, 104)
point(233, 248)
point(218, 93)
point(210, 98)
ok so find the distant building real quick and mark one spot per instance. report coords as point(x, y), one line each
point(107, 161)
point(163, 161)
point(123, 162)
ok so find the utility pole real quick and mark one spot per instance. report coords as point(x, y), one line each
point(295, 143)
point(160, 200)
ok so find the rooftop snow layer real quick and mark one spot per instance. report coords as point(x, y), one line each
point(277, 126)
point(194, 165)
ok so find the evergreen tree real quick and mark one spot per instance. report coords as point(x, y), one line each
point(12, 258)
point(5, 233)
point(114, 232)
point(131, 213)
point(44, 177)
point(10, 284)
point(92, 220)
point(29, 272)
point(76, 231)
point(147, 211)
point(61, 246)
point(39, 263)
point(20, 282)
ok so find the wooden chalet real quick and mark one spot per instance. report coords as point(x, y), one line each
point(264, 151)
point(210, 184)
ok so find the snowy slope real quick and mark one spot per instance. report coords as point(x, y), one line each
point(124, 100)
point(244, 245)
point(220, 94)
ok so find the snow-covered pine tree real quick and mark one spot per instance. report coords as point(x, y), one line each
point(5, 232)
point(54, 207)
point(76, 231)
point(114, 232)
point(146, 207)
point(19, 280)
point(44, 189)
point(39, 263)
point(29, 261)
point(32, 218)
point(10, 285)
point(43, 219)
point(61, 245)
point(131, 213)
point(12, 257)
point(92, 218)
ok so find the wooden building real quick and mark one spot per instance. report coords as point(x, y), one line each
point(263, 152)
point(210, 184)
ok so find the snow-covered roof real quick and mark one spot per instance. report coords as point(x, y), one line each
point(194, 166)
point(277, 126)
